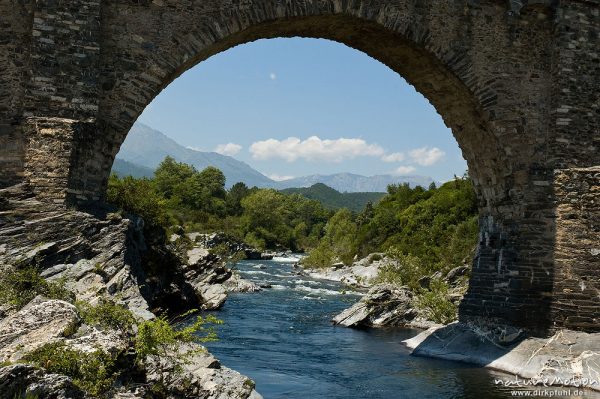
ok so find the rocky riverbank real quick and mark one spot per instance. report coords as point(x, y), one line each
point(361, 274)
point(385, 304)
point(567, 358)
point(100, 256)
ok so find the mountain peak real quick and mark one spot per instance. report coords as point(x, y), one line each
point(147, 147)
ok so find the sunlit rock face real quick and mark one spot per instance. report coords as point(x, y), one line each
point(517, 82)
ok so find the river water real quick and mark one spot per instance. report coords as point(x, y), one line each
point(283, 339)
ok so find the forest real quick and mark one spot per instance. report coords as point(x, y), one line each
point(437, 225)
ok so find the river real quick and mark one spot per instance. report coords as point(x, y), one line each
point(283, 339)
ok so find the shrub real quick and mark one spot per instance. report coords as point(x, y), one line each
point(140, 197)
point(93, 372)
point(435, 303)
point(320, 257)
point(158, 337)
point(19, 286)
point(402, 270)
point(107, 314)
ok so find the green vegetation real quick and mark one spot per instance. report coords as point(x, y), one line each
point(179, 194)
point(106, 314)
point(93, 372)
point(19, 286)
point(423, 231)
point(158, 338)
point(435, 303)
point(333, 199)
point(435, 227)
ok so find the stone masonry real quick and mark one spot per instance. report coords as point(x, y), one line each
point(517, 81)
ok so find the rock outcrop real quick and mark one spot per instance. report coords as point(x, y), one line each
point(100, 254)
point(24, 379)
point(39, 323)
point(97, 253)
point(361, 274)
point(238, 284)
point(568, 358)
point(233, 245)
point(384, 305)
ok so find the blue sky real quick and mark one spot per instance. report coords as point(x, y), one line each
point(294, 107)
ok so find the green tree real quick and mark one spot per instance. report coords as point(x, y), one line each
point(170, 175)
point(236, 194)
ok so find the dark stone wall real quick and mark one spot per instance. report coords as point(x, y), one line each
point(15, 37)
point(516, 81)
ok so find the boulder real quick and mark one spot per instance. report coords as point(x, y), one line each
point(384, 306)
point(213, 296)
point(40, 322)
point(238, 284)
point(455, 274)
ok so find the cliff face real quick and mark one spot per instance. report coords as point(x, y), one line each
point(98, 255)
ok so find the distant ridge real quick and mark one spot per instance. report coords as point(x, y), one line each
point(124, 168)
point(147, 147)
point(351, 183)
point(333, 199)
point(144, 148)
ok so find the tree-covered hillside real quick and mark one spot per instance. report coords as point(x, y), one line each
point(436, 225)
point(333, 199)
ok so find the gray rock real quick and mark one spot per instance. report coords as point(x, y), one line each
point(202, 376)
point(568, 357)
point(384, 305)
point(213, 296)
point(454, 274)
point(21, 379)
point(42, 321)
point(238, 284)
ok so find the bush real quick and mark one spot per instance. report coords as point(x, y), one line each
point(140, 197)
point(93, 372)
point(159, 338)
point(19, 286)
point(435, 303)
point(403, 270)
point(320, 257)
point(107, 314)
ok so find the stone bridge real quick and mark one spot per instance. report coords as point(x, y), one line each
point(518, 82)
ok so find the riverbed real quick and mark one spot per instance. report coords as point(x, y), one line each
point(283, 339)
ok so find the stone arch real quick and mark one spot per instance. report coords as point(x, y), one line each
point(499, 77)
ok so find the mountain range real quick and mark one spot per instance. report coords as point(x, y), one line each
point(147, 147)
point(144, 149)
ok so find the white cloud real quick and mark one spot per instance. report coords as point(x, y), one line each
point(314, 149)
point(273, 76)
point(427, 156)
point(395, 157)
point(405, 170)
point(279, 177)
point(195, 148)
point(230, 149)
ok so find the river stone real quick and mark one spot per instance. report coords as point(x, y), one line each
point(238, 284)
point(385, 305)
point(40, 322)
point(213, 296)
